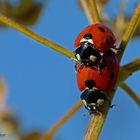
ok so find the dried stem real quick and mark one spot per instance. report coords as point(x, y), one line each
point(128, 69)
point(63, 120)
point(85, 5)
point(90, 9)
point(130, 31)
point(130, 92)
point(97, 121)
point(95, 125)
point(37, 37)
point(95, 11)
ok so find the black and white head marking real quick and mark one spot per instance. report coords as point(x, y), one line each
point(87, 38)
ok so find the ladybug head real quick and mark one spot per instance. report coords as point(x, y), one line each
point(93, 100)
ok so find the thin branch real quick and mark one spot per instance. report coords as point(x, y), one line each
point(86, 7)
point(97, 121)
point(130, 31)
point(128, 69)
point(131, 93)
point(91, 11)
point(37, 37)
point(63, 120)
point(2, 95)
point(94, 128)
point(133, 66)
point(95, 12)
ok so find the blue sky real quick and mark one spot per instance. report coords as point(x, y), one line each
point(42, 84)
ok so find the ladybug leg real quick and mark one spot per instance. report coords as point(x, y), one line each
point(116, 50)
point(109, 103)
point(76, 67)
point(81, 65)
point(101, 62)
point(100, 65)
point(111, 106)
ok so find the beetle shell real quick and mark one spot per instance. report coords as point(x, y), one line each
point(103, 38)
point(105, 80)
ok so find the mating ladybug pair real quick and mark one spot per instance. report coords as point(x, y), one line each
point(97, 65)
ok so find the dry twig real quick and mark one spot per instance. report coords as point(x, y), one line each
point(130, 92)
point(37, 37)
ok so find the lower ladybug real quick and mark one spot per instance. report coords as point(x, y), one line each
point(95, 85)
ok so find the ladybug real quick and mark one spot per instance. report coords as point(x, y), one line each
point(95, 85)
point(99, 35)
point(94, 99)
point(92, 43)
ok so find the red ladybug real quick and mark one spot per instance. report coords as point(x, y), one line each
point(94, 84)
point(106, 79)
point(100, 36)
point(92, 44)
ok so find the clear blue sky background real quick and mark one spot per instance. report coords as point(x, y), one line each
point(42, 84)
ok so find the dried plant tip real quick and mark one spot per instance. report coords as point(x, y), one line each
point(91, 11)
point(131, 93)
point(130, 30)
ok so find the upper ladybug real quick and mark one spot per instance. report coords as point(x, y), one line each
point(100, 36)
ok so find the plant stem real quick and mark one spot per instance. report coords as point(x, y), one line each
point(63, 120)
point(97, 121)
point(37, 37)
point(128, 69)
point(130, 92)
point(91, 11)
point(125, 72)
point(130, 31)
point(95, 12)
point(86, 6)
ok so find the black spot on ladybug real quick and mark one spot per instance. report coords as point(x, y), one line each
point(90, 83)
point(101, 29)
point(112, 76)
point(88, 36)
